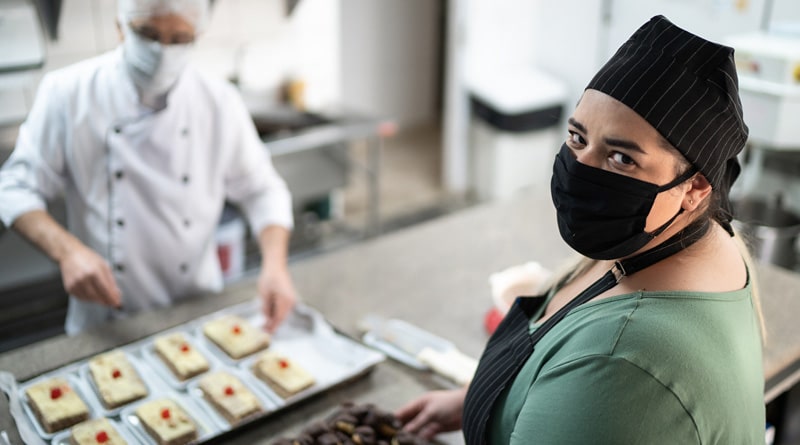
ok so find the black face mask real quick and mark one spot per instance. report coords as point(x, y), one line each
point(601, 214)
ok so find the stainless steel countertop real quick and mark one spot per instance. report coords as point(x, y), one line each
point(434, 275)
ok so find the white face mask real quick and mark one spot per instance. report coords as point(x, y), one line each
point(153, 67)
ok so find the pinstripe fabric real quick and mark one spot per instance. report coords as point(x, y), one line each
point(505, 354)
point(687, 88)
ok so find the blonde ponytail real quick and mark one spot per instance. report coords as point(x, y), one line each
point(756, 295)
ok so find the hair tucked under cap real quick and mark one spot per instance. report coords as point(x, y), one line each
point(686, 87)
point(195, 11)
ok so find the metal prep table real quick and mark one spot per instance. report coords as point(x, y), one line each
point(440, 264)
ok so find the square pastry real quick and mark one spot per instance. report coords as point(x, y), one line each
point(95, 432)
point(282, 374)
point(116, 380)
point(166, 422)
point(236, 336)
point(180, 357)
point(228, 395)
point(56, 404)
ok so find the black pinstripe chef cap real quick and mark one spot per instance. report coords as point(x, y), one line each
point(686, 87)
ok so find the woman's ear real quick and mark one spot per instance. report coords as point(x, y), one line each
point(699, 189)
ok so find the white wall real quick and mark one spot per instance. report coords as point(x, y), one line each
point(573, 38)
point(390, 58)
point(269, 46)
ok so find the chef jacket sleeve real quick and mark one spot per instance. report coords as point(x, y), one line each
point(251, 180)
point(602, 399)
point(35, 171)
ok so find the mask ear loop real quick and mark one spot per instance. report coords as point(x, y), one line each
point(679, 180)
point(674, 183)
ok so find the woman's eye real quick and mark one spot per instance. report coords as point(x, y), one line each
point(575, 138)
point(622, 158)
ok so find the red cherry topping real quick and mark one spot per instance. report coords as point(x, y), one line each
point(55, 393)
point(283, 364)
point(165, 413)
point(236, 329)
point(228, 391)
point(102, 437)
point(116, 373)
point(185, 347)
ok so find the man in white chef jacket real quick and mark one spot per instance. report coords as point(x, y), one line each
point(145, 150)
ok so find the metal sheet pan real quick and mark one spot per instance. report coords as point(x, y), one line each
point(305, 336)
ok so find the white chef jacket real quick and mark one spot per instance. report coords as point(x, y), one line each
point(143, 188)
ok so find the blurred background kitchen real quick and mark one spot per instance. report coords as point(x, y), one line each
point(385, 113)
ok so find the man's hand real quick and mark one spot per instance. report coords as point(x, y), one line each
point(87, 276)
point(277, 293)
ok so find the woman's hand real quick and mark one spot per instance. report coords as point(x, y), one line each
point(433, 413)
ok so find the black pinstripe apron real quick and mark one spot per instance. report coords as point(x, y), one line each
point(511, 345)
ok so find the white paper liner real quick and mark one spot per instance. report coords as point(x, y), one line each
point(63, 438)
point(75, 383)
point(268, 402)
point(144, 374)
point(151, 357)
point(8, 384)
point(206, 428)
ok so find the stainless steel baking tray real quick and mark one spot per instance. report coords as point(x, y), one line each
point(305, 336)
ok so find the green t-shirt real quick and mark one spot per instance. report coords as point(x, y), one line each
point(641, 368)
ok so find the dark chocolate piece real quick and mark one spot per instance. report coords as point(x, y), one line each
point(329, 439)
point(364, 435)
point(403, 438)
point(316, 429)
point(370, 419)
point(346, 423)
point(344, 438)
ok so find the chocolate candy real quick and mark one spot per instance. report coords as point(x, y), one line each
point(346, 423)
point(353, 424)
point(364, 435)
point(316, 429)
point(329, 439)
point(404, 438)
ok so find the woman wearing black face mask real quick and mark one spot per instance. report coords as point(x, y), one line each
point(654, 336)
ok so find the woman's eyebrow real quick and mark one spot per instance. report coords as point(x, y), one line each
point(577, 125)
point(624, 144)
point(614, 142)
